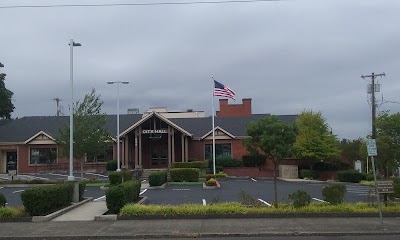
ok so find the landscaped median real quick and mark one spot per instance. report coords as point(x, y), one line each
point(222, 210)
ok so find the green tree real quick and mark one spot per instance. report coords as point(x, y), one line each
point(272, 138)
point(90, 136)
point(6, 105)
point(314, 142)
point(387, 141)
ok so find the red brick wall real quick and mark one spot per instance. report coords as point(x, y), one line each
point(233, 110)
point(196, 148)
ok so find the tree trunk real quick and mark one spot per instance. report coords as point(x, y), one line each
point(275, 187)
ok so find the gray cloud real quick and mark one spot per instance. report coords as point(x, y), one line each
point(287, 56)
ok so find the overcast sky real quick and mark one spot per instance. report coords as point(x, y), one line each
point(286, 55)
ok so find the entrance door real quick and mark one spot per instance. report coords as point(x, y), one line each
point(11, 161)
point(159, 156)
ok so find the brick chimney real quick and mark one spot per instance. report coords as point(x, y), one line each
point(234, 110)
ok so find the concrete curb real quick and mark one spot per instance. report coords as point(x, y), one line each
point(205, 235)
point(59, 212)
point(210, 187)
point(157, 187)
point(26, 185)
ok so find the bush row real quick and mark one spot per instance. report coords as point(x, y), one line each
point(194, 164)
point(122, 194)
point(185, 174)
point(350, 176)
point(254, 160)
point(43, 200)
point(158, 178)
point(119, 177)
point(310, 174)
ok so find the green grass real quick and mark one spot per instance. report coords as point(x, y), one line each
point(185, 183)
point(6, 212)
point(369, 183)
point(238, 208)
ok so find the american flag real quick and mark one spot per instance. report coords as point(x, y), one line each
point(223, 91)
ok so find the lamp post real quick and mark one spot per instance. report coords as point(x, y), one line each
point(72, 44)
point(118, 147)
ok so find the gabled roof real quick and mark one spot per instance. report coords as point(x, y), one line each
point(215, 129)
point(38, 134)
point(21, 129)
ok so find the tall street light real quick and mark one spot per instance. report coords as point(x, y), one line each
point(72, 44)
point(118, 152)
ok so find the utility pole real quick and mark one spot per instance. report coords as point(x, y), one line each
point(373, 76)
point(373, 135)
point(58, 102)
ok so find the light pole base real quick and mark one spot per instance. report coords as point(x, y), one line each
point(118, 169)
point(71, 178)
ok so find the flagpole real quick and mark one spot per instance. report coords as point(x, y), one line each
point(213, 123)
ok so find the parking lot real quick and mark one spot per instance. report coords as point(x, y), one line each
point(230, 191)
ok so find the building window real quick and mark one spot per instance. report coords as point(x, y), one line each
point(43, 156)
point(221, 150)
point(107, 155)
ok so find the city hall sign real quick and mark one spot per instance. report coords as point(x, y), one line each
point(154, 131)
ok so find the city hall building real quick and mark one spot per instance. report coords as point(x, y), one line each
point(152, 140)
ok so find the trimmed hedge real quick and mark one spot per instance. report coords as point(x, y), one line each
point(43, 200)
point(122, 194)
point(3, 200)
point(254, 160)
point(350, 176)
point(119, 177)
point(185, 174)
point(112, 165)
point(158, 178)
point(310, 174)
point(194, 164)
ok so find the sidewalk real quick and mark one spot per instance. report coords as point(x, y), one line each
point(86, 212)
point(216, 228)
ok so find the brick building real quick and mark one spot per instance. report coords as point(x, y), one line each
point(154, 139)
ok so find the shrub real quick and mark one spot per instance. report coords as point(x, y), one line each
point(349, 176)
point(369, 177)
point(185, 174)
point(119, 177)
point(334, 194)
point(122, 194)
point(194, 164)
point(3, 200)
point(211, 182)
point(300, 198)
point(82, 186)
point(225, 162)
point(209, 176)
point(254, 160)
point(43, 200)
point(310, 174)
point(157, 178)
point(221, 175)
point(396, 187)
point(112, 165)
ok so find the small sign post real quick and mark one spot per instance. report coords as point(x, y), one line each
point(372, 152)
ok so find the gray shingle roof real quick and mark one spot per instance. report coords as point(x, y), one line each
point(22, 129)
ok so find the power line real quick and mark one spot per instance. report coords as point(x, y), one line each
point(136, 4)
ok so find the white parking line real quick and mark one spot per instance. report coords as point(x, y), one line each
point(18, 191)
point(143, 191)
point(319, 200)
point(269, 205)
point(96, 174)
point(100, 198)
point(204, 202)
point(253, 179)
